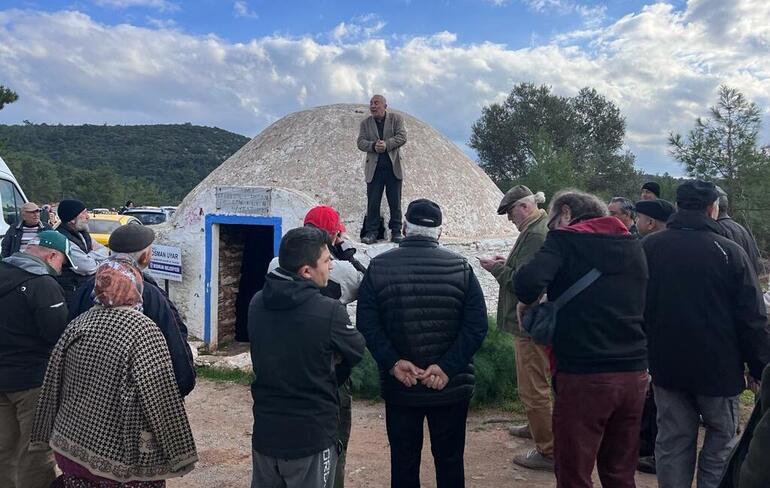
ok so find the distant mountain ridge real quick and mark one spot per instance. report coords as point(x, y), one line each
point(105, 165)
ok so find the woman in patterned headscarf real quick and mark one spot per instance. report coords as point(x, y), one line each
point(110, 408)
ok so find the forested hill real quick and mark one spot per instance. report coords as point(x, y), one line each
point(106, 165)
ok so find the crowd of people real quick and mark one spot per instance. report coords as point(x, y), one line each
point(634, 323)
point(94, 361)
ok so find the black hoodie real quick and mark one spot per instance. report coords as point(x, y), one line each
point(297, 336)
point(601, 329)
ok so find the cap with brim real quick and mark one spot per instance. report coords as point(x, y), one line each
point(326, 218)
point(52, 239)
point(655, 209)
point(130, 238)
point(424, 212)
point(512, 196)
point(29, 207)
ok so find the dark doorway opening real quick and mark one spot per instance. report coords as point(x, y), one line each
point(244, 254)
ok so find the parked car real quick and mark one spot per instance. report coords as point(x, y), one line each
point(100, 226)
point(169, 211)
point(11, 199)
point(148, 215)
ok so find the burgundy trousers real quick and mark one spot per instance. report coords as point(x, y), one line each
point(596, 421)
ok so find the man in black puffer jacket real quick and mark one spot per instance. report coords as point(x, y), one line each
point(423, 314)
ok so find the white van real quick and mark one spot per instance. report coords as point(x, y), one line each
point(11, 199)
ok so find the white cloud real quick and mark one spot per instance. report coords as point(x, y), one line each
point(661, 65)
point(161, 23)
point(242, 9)
point(162, 5)
point(360, 27)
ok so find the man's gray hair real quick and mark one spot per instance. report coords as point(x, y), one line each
point(626, 206)
point(420, 230)
point(132, 255)
point(377, 95)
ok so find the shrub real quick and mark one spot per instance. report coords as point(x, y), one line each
point(365, 378)
point(495, 364)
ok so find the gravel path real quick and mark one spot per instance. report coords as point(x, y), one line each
point(220, 414)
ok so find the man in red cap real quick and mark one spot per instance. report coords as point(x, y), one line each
point(344, 280)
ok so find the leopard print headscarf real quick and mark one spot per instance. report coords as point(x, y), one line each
point(118, 284)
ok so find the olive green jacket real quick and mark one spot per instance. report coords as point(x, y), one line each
point(528, 243)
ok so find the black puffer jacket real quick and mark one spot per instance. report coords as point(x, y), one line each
point(705, 317)
point(422, 303)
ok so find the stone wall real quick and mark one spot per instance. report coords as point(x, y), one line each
point(231, 246)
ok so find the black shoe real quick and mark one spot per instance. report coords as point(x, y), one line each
point(369, 239)
point(646, 465)
point(396, 237)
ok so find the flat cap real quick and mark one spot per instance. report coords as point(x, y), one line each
point(657, 209)
point(696, 194)
point(30, 207)
point(424, 212)
point(130, 238)
point(512, 196)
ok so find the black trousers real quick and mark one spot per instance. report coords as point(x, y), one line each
point(384, 179)
point(446, 425)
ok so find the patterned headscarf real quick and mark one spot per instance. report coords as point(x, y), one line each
point(118, 284)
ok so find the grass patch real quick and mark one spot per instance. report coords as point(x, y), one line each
point(225, 375)
point(495, 364)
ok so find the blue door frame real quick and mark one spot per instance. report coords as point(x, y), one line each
point(214, 219)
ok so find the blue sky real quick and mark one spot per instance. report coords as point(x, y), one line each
point(242, 64)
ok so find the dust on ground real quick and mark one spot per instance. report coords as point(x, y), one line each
point(220, 415)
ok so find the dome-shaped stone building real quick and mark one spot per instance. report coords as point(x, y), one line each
point(229, 226)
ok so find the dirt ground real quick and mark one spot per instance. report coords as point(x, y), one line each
point(220, 414)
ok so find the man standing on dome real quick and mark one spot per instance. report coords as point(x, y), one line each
point(381, 136)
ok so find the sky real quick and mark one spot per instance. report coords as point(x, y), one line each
point(243, 64)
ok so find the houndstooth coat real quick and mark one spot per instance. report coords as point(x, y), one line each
point(110, 402)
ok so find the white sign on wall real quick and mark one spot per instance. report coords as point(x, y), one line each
point(243, 199)
point(166, 263)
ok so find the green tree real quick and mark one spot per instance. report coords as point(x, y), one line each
point(534, 133)
point(724, 147)
point(7, 96)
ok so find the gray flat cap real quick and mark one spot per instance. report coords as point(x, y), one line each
point(512, 196)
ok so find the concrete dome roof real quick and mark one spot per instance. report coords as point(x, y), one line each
point(314, 152)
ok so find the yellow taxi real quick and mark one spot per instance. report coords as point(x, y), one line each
point(100, 226)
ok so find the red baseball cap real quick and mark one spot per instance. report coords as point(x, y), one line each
point(326, 218)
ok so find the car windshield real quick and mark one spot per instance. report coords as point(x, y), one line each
point(149, 218)
point(102, 226)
